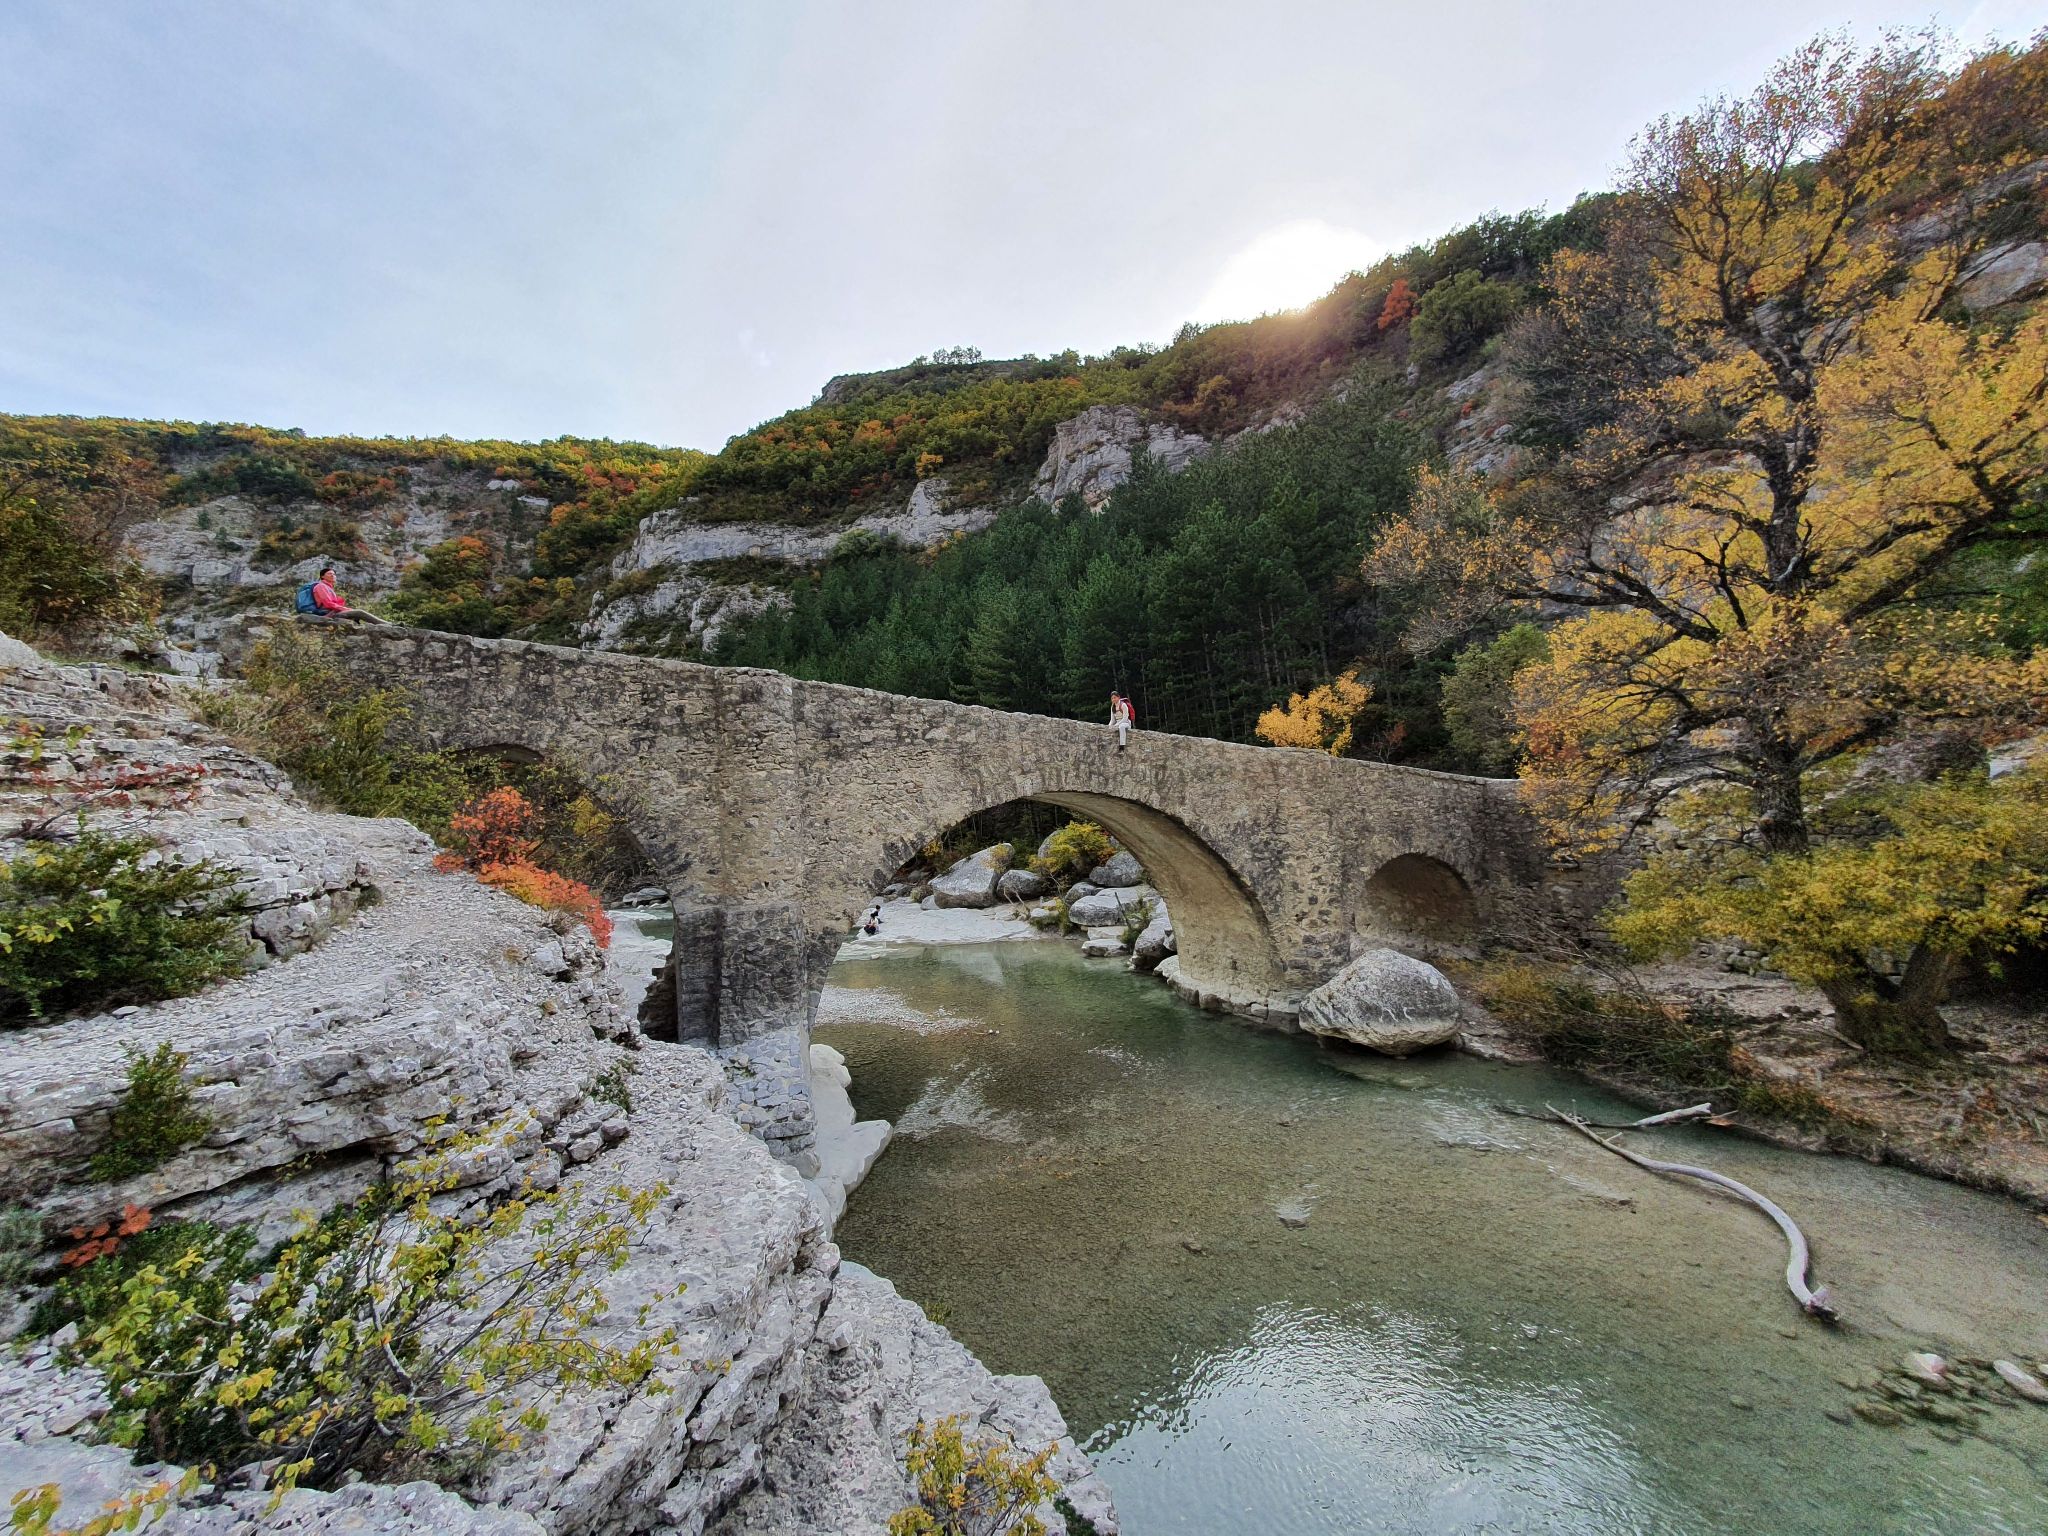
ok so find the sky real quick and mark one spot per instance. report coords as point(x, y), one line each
point(671, 221)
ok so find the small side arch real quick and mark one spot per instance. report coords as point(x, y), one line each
point(1416, 895)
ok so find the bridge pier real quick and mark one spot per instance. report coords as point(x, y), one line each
point(746, 979)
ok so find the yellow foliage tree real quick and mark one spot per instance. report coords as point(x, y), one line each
point(1759, 538)
point(1320, 719)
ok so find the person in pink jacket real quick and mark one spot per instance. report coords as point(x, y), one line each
point(323, 599)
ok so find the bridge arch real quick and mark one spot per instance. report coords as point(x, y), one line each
point(1418, 896)
point(1219, 924)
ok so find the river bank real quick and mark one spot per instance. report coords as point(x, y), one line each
point(1979, 1119)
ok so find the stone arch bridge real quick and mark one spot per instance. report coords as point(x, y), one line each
point(774, 809)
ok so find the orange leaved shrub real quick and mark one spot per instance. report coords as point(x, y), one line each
point(539, 887)
point(493, 837)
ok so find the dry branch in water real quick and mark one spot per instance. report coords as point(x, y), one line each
point(1814, 1302)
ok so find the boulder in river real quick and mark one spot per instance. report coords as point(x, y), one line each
point(972, 882)
point(646, 896)
point(1105, 907)
point(1022, 885)
point(1388, 1001)
point(1102, 943)
point(1155, 943)
point(1120, 870)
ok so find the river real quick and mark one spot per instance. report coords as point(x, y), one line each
point(1282, 1288)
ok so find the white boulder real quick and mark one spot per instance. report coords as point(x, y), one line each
point(972, 882)
point(1121, 870)
point(1106, 908)
point(1022, 885)
point(1385, 1000)
point(1155, 943)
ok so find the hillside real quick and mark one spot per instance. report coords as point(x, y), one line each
point(924, 528)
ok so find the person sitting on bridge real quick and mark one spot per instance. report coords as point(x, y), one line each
point(1121, 716)
point(323, 599)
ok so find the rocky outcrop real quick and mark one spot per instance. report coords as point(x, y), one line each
point(1386, 1000)
point(213, 560)
point(120, 747)
point(1090, 455)
point(846, 1147)
point(972, 882)
point(660, 589)
point(884, 1365)
point(2004, 274)
point(446, 998)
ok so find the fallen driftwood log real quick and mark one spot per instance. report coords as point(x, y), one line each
point(1648, 1122)
point(1814, 1302)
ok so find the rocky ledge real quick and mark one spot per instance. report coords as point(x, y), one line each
point(786, 1408)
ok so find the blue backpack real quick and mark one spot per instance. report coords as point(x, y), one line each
point(303, 602)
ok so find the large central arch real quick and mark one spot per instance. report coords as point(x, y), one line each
point(1225, 941)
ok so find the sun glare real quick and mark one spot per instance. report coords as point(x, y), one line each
point(1285, 268)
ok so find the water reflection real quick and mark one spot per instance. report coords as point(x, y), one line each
point(1370, 1420)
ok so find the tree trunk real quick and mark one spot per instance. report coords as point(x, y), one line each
point(1895, 1018)
point(1780, 800)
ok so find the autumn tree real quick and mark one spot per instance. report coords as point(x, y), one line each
point(1321, 719)
point(1756, 540)
point(1399, 305)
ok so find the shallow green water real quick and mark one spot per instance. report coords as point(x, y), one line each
point(1486, 1323)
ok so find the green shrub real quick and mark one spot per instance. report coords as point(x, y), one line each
point(60, 579)
point(982, 1488)
point(1072, 851)
point(208, 1260)
point(1458, 314)
point(1580, 1024)
point(89, 925)
point(389, 1339)
point(1137, 917)
point(1640, 1039)
point(1479, 693)
point(155, 1119)
point(21, 1240)
point(613, 1085)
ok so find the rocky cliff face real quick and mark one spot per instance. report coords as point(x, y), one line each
point(443, 997)
point(661, 590)
point(223, 557)
point(676, 589)
point(1091, 454)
